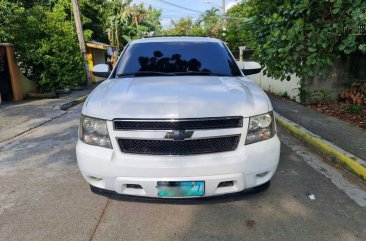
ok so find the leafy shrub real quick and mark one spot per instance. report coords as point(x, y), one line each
point(284, 94)
point(303, 37)
point(320, 96)
point(355, 109)
point(45, 42)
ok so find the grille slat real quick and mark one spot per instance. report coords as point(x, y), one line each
point(179, 124)
point(187, 147)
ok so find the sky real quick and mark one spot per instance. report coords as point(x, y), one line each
point(172, 12)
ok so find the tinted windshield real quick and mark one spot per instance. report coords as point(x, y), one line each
point(178, 58)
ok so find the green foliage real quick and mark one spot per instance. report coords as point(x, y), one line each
point(185, 26)
point(284, 94)
point(45, 43)
point(94, 18)
point(212, 23)
point(303, 92)
point(320, 96)
point(354, 109)
point(126, 22)
point(238, 31)
point(181, 27)
point(60, 53)
point(303, 37)
point(209, 23)
point(45, 39)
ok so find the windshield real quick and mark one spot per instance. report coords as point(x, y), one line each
point(177, 58)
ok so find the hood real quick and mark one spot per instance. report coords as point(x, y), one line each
point(176, 97)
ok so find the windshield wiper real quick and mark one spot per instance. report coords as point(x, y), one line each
point(145, 73)
point(199, 73)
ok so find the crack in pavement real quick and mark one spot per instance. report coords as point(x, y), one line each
point(10, 140)
point(99, 221)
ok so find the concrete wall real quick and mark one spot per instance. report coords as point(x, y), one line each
point(277, 86)
point(345, 70)
point(27, 85)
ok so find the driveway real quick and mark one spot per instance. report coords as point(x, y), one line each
point(44, 197)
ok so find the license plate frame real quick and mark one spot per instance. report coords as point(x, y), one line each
point(180, 189)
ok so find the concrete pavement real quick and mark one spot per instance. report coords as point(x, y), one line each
point(19, 117)
point(346, 136)
point(43, 197)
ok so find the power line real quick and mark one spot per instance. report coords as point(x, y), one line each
point(178, 6)
point(180, 15)
point(174, 10)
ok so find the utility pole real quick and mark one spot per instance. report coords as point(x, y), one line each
point(80, 33)
point(224, 18)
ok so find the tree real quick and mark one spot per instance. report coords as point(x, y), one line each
point(212, 23)
point(128, 21)
point(183, 26)
point(45, 38)
point(94, 18)
point(299, 36)
point(238, 32)
point(45, 43)
point(209, 23)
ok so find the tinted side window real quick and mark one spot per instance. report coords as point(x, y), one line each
point(178, 57)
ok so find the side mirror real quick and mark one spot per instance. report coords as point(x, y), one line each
point(251, 68)
point(101, 70)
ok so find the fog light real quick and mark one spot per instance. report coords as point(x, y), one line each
point(226, 184)
point(95, 178)
point(262, 174)
point(135, 186)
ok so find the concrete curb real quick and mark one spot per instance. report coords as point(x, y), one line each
point(349, 161)
point(73, 102)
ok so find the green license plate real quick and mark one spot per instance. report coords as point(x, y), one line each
point(181, 189)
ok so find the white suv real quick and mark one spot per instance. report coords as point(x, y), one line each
point(177, 118)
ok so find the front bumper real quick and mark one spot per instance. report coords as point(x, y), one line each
point(248, 166)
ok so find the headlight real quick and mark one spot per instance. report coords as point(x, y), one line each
point(261, 127)
point(94, 132)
